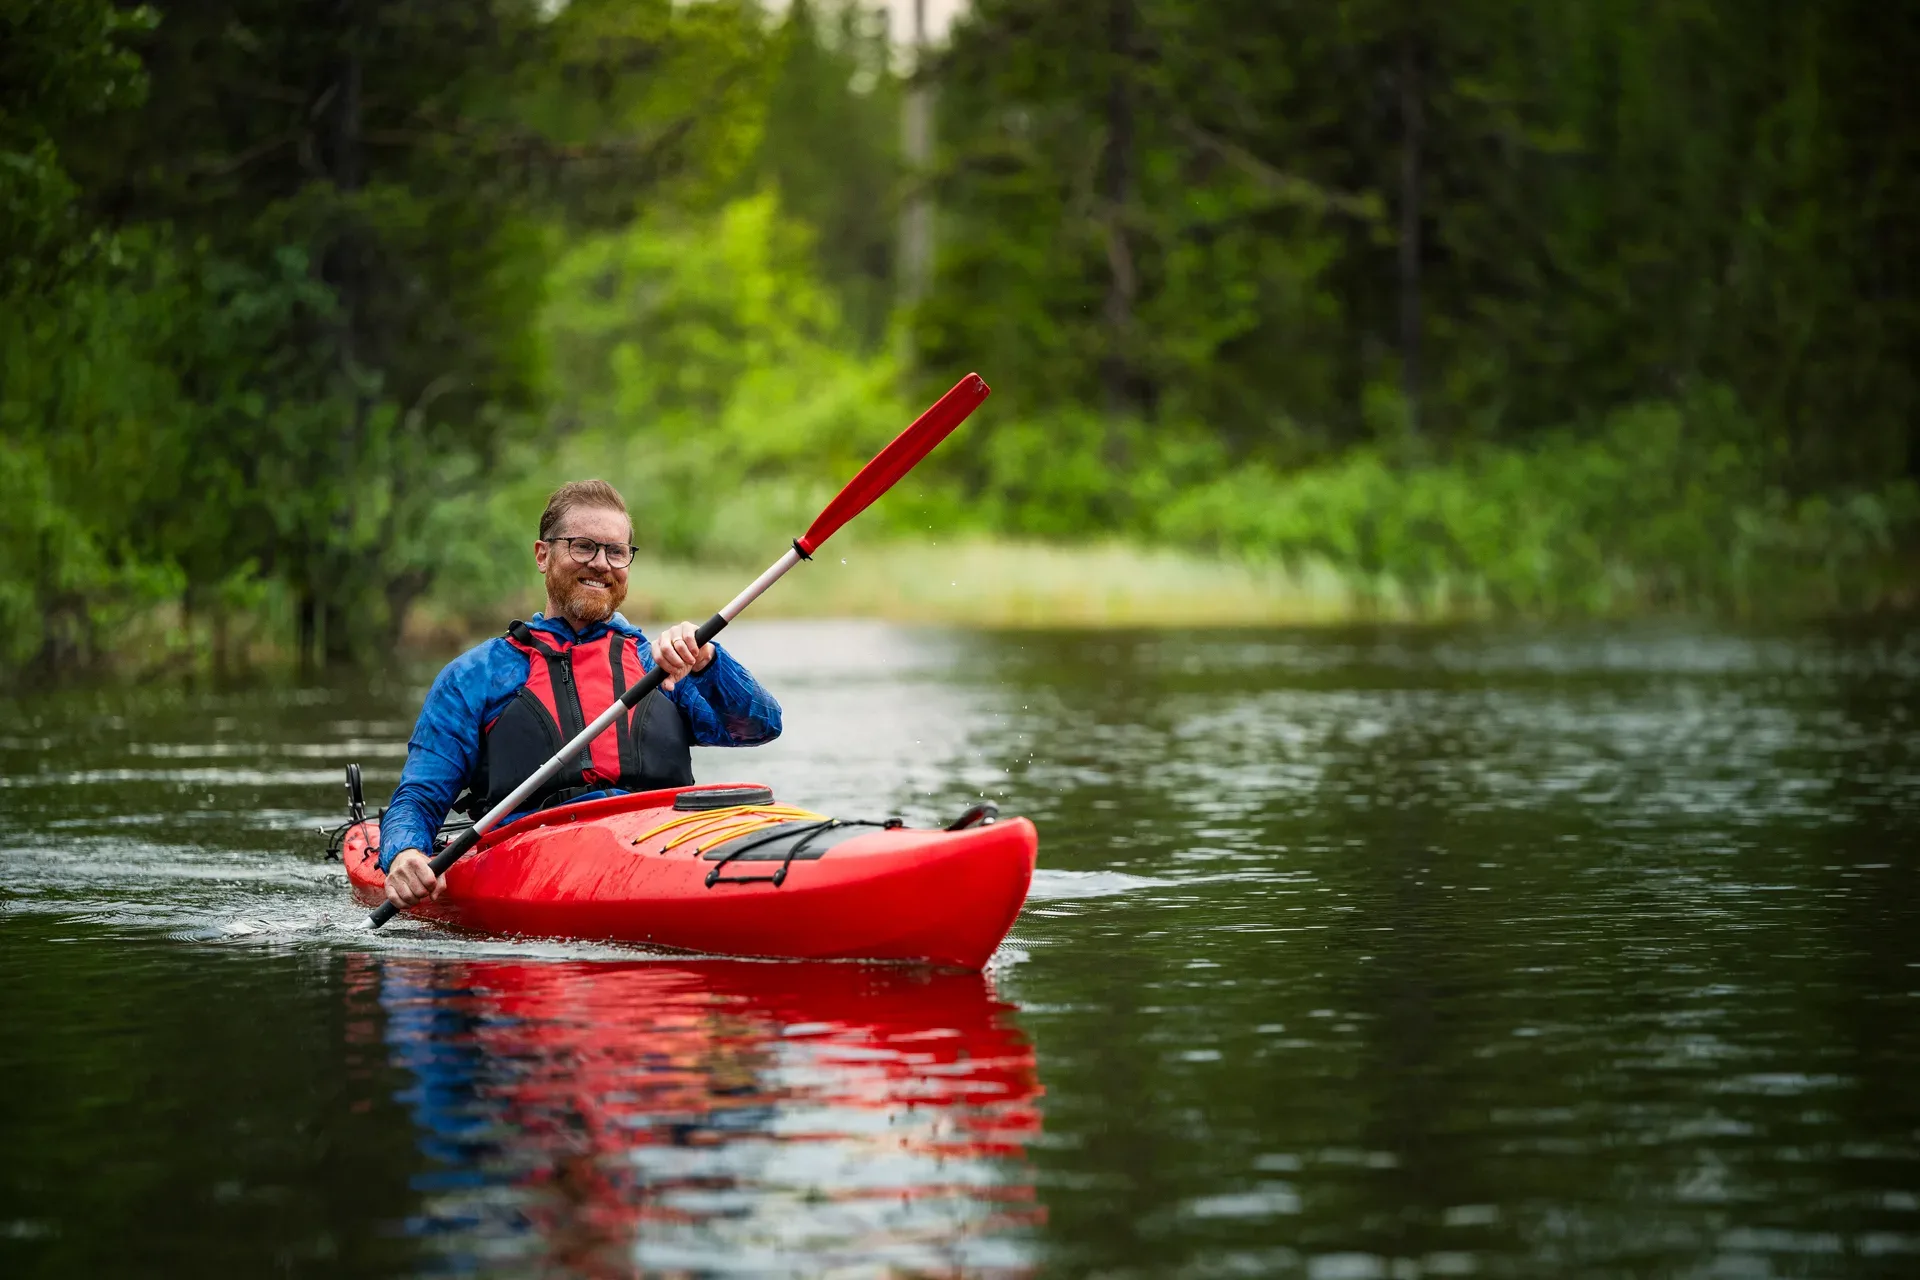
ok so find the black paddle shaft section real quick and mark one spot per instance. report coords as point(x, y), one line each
point(707, 630)
point(703, 635)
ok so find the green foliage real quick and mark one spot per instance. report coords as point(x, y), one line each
point(85, 397)
point(830, 146)
point(61, 62)
point(60, 587)
point(708, 372)
point(711, 367)
point(1258, 215)
point(260, 326)
point(1665, 506)
point(1567, 307)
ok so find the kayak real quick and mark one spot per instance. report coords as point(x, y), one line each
point(720, 869)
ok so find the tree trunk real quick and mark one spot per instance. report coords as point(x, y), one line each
point(1117, 375)
point(916, 145)
point(307, 630)
point(344, 267)
point(336, 633)
point(341, 260)
point(1411, 131)
point(401, 590)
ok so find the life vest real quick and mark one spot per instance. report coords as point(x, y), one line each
point(568, 684)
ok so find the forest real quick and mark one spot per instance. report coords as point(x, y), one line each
point(1546, 309)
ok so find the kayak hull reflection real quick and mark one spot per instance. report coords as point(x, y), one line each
point(606, 870)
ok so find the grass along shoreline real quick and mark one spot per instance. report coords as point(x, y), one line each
point(986, 581)
point(971, 581)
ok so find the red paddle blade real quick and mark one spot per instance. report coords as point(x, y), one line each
point(894, 461)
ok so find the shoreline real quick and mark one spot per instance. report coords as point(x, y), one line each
point(974, 581)
point(980, 582)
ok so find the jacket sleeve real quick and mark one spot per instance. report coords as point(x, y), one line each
point(726, 705)
point(441, 756)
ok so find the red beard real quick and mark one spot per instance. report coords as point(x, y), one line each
point(579, 605)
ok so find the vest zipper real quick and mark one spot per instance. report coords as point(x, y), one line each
point(572, 718)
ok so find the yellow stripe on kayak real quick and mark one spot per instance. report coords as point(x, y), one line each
point(717, 826)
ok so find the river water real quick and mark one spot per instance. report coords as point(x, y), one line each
point(1352, 954)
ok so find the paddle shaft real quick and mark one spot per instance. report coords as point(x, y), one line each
point(622, 705)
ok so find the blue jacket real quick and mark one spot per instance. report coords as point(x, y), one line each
point(725, 705)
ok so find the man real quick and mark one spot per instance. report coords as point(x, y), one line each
point(502, 709)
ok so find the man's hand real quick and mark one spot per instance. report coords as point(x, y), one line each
point(674, 649)
point(410, 879)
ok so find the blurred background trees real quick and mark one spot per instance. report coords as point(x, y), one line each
point(1571, 306)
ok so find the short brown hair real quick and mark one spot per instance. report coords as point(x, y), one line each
point(581, 493)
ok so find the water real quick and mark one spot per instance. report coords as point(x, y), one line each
point(1352, 954)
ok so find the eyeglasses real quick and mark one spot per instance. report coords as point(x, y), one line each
point(619, 554)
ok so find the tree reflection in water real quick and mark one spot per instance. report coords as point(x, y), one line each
point(600, 1119)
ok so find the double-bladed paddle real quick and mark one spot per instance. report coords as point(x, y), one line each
point(878, 476)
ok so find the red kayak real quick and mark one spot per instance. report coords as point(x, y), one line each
point(722, 870)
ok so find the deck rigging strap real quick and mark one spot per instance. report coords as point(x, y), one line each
point(804, 837)
point(799, 834)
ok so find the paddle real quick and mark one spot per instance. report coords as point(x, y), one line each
point(878, 476)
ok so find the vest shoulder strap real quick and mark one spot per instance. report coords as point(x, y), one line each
point(523, 637)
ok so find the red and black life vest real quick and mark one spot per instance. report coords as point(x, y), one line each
point(568, 684)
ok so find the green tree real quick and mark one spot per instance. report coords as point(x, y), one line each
point(1306, 224)
point(63, 66)
point(351, 208)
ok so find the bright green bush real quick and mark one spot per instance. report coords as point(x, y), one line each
point(703, 368)
point(1663, 506)
point(60, 589)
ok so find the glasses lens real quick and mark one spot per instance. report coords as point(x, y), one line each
point(619, 554)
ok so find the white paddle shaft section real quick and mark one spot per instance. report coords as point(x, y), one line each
point(540, 777)
point(774, 573)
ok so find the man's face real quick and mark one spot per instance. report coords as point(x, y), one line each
point(591, 592)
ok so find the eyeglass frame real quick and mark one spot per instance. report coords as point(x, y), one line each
point(599, 548)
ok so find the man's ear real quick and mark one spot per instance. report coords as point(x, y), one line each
point(541, 550)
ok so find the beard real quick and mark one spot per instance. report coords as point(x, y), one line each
point(580, 605)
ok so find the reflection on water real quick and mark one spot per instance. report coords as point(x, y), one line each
point(591, 1118)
